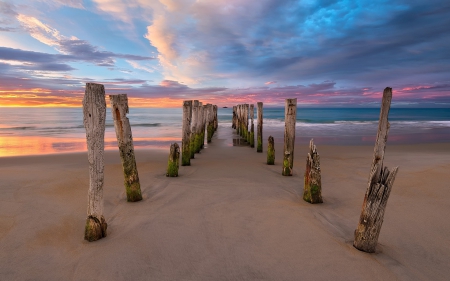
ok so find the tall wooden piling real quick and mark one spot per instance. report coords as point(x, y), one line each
point(289, 136)
point(186, 136)
point(174, 161)
point(270, 151)
point(233, 122)
point(216, 119)
point(381, 180)
point(94, 114)
point(119, 110)
point(259, 134)
point(209, 122)
point(205, 115)
point(312, 190)
point(247, 133)
point(198, 139)
point(252, 126)
point(194, 124)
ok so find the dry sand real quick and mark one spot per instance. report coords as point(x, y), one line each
point(227, 217)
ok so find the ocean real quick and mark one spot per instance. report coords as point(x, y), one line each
point(35, 131)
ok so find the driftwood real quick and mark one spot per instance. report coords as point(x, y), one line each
point(186, 136)
point(252, 126)
point(194, 124)
point(381, 180)
point(270, 151)
point(119, 110)
point(174, 161)
point(259, 129)
point(94, 113)
point(289, 136)
point(312, 192)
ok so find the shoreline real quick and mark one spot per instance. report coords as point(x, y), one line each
point(228, 216)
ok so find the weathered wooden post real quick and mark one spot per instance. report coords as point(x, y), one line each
point(290, 113)
point(252, 126)
point(379, 187)
point(233, 121)
point(186, 137)
point(194, 125)
point(312, 190)
point(205, 116)
point(216, 120)
point(174, 160)
point(259, 136)
point(209, 122)
point(119, 110)
point(247, 132)
point(239, 120)
point(94, 114)
point(270, 151)
point(198, 139)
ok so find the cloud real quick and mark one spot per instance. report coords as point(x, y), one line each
point(270, 82)
point(74, 48)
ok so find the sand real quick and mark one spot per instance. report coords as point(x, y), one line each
point(227, 217)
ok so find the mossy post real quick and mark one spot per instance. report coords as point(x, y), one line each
point(252, 126)
point(209, 122)
point(270, 151)
point(259, 129)
point(290, 116)
point(119, 110)
point(186, 136)
point(193, 134)
point(174, 160)
point(380, 183)
point(94, 114)
point(312, 190)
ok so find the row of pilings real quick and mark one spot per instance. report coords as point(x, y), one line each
point(198, 119)
point(381, 178)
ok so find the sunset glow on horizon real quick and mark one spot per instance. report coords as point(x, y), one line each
point(332, 54)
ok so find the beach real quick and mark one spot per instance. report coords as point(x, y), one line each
point(228, 216)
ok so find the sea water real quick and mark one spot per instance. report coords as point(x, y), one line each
point(29, 131)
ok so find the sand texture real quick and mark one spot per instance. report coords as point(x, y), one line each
point(228, 216)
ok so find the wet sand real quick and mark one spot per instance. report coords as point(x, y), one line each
point(229, 216)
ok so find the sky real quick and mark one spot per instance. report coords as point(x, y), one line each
point(226, 52)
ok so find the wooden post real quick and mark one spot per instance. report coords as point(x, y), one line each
point(252, 126)
point(94, 114)
point(174, 160)
point(216, 120)
point(119, 110)
point(270, 151)
point(186, 137)
point(289, 136)
point(233, 121)
point(209, 122)
point(312, 190)
point(205, 115)
point(259, 134)
point(379, 187)
point(194, 124)
point(198, 139)
point(247, 133)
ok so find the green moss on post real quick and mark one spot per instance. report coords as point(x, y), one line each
point(210, 131)
point(312, 192)
point(95, 229)
point(252, 139)
point(271, 151)
point(259, 144)
point(131, 180)
point(174, 160)
point(287, 169)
